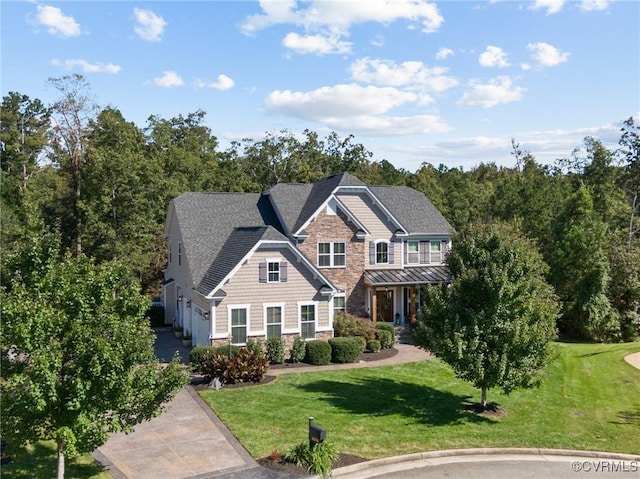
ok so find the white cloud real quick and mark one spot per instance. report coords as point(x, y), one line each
point(493, 57)
point(346, 100)
point(495, 92)
point(317, 44)
point(444, 53)
point(547, 55)
point(413, 74)
point(86, 66)
point(168, 79)
point(552, 6)
point(391, 125)
point(149, 26)
point(325, 23)
point(223, 83)
point(594, 5)
point(341, 15)
point(356, 109)
point(56, 22)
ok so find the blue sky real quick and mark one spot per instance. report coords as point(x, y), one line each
point(414, 81)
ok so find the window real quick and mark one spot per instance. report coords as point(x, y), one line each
point(308, 321)
point(339, 304)
point(382, 252)
point(273, 269)
point(435, 250)
point(332, 254)
point(179, 253)
point(238, 326)
point(274, 321)
point(413, 252)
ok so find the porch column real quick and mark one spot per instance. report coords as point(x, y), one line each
point(374, 305)
point(412, 305)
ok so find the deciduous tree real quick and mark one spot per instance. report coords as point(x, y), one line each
point(77, 354)
point(495, 322)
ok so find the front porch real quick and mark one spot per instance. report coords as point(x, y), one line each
point(394, 295)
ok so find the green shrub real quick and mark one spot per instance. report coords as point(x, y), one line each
point(318, 461)
point(318, 353)
point(156, 316)
point(275, 350)
point(242, 367)
point(345, 324)
point(385, 338)
point(386, 327)
point(373, 346)
point(298, 350)
point(362, 342)
point(344, 350)
point(196, 355)
point(255, 345)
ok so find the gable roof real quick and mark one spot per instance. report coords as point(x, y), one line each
point(207, 220)
point(296, 203)
point(421, 218)
point(239, 243)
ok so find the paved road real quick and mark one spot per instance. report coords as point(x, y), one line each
point(503, 466)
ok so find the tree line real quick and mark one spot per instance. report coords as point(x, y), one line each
point(103, 184)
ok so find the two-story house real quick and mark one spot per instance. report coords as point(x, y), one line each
point(284, 262)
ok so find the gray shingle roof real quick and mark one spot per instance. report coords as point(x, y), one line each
point(413, 209)
point(207, 220)
point(240, 242)
point(296, 202)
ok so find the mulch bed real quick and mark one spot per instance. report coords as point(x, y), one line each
point(293, 470)
point(364, 357)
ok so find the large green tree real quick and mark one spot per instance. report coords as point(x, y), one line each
point(495, 322)
point(77, 353)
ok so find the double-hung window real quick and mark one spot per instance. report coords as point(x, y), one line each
point(274, 321)
point(273, 272)
point(308, 321)
point(339, 304)
point(332, 254)
point(436, 252)
point(413, 252)
point(238, 325)
point(382, 252)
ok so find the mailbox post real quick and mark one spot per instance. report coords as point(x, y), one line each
point(316, 434)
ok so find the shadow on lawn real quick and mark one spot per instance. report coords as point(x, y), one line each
point(42, 462)
point(383, 397)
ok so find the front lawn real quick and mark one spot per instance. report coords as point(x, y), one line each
point(589, 399)
point(40, 461)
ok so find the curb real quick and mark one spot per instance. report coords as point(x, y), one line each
point(422, 459)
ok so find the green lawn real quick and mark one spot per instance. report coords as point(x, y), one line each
point(589, 399)
point(40, 462)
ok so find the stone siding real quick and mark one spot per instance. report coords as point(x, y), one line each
point(337, 228)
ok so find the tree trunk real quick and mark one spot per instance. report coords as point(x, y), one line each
point(60, 471)
point(483, 399)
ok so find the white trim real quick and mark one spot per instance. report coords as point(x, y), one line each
point(286, 244)
point(408, 252)
point(340, 205)
point(270, 262)
point(230, 308)
point(316, 309)
point(332, 310)
point(332, 254)
point(376, 243)
point(264, 316)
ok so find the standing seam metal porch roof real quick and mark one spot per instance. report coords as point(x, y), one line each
point(409, 275)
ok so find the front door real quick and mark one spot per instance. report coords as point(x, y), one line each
point(384, 300)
